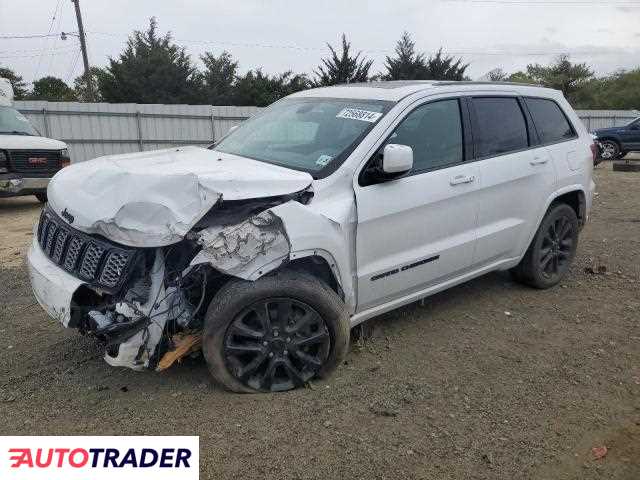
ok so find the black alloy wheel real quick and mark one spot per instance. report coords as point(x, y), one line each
point(557, 247)
point(276, 344)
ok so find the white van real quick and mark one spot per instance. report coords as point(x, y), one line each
point(328, 208)
point(27, 159)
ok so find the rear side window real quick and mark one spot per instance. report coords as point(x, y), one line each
point(551, 123)
point(500, 126)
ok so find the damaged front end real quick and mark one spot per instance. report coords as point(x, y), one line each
point(147, 304)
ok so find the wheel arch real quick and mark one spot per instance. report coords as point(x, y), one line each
point(574, 196)
point(319, 264)
point(576, 199)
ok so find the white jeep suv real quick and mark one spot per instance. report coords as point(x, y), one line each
point(328, 208)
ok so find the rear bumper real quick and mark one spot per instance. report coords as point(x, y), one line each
point(52, 286)
point(13, 185)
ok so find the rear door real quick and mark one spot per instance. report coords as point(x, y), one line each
point(515, 177)
point(418, 230)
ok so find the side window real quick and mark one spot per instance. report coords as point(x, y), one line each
point(500, 126)
point(434, 132)
point(551, 123)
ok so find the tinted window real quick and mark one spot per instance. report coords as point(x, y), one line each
point(434, 132)
point(501, 126)
point(551, 124)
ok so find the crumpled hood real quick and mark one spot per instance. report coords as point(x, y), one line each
point(154, 198)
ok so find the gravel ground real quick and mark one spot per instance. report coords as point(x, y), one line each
point(490, 380)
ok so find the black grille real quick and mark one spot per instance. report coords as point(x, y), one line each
point(94, 260)
point(34, 161)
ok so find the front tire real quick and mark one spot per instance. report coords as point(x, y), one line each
point(552, 250)
point(274, 334)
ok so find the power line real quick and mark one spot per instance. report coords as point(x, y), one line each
point(385, 51)
point(73, 67)
point(56, 53)
point(55, 41)
point(551, 3)
point(30, 50)
point(46, 40)
point(34, 35)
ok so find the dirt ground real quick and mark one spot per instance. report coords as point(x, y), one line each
point(490, 380)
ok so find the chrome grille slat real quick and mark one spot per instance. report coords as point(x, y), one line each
point(94, 260)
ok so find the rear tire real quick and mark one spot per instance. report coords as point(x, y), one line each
point(41, 196)
point(552, 249)
point(610, 150)
point(274, 334)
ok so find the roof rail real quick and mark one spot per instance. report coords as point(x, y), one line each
point(471, 82)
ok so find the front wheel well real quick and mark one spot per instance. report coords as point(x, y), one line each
point(319, 268)
point(576, 200)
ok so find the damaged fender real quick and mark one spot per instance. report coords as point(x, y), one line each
point(247, 250)
point(263, 242)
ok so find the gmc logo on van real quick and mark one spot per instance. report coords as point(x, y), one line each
point(37, 160)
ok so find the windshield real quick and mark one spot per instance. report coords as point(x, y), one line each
point(308, 134)
point(14, 123)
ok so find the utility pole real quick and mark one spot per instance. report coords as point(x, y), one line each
point(83, 46)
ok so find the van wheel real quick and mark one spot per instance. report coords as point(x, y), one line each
point(274, 334)
point(42, 197)
point(552, 250)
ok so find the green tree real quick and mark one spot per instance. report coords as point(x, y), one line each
point(343, 67)
point(520, 77)
point(81, 88)
point(52, 89)
point(151, 69)
point(561, 75)
point(497, 75)
point(406, 64)
point(443, 67)
point(260, 89)
point(618, 91)
point(17, 82)
point(219, 78)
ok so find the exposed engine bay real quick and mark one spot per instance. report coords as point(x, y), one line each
point(148, 304)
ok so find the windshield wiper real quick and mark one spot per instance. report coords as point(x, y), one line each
point(16, 132)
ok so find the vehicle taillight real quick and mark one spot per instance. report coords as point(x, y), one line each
point(594, 151)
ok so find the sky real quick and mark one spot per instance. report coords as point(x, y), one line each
point(281, 35)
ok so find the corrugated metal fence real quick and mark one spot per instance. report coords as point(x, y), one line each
point(594, 119)
point(95, 129)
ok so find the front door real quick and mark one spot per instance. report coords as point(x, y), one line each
point(418, 230)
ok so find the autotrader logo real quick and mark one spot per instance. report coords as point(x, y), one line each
point(71, 458)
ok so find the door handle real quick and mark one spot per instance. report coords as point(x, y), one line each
point(460, 179)
point(538, 161)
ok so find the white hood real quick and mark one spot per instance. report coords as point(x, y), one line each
point(29, 142)
point(154, 198)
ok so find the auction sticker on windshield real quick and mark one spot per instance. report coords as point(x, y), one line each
point(357, 114)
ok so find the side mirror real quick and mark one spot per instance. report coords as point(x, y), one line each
point(397, 159)
point(232, 129)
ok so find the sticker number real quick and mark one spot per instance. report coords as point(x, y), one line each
point(362, 115)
